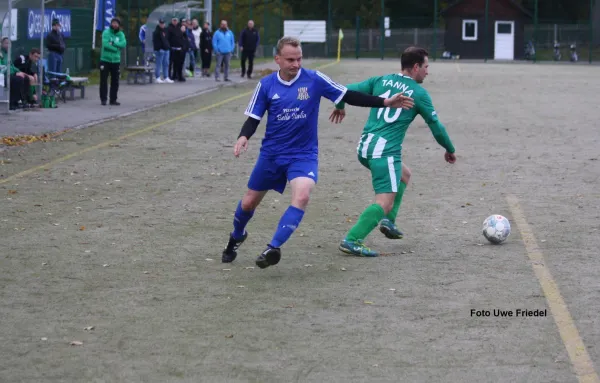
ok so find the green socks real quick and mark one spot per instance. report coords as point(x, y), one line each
point(397, 201)
point(368, 220)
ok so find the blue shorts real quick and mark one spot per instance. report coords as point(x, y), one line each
point(274, 173)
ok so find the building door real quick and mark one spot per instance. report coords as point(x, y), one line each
point(504, 40)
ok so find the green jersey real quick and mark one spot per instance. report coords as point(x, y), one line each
point(112, 44)
point(386, 128)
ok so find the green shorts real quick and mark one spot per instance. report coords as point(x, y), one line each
point(386, 173)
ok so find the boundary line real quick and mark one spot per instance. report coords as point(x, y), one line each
point(580, 359)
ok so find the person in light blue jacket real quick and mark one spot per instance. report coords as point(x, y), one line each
point(223, 46)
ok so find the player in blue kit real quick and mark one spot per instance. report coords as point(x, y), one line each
point(289, 150)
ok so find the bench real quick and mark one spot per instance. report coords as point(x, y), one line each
point(76, 83)
point(140, 74)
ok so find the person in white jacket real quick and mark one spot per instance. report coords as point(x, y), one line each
point(196, 31)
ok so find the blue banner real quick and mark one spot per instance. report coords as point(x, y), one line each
point(34, 22)
point(107, 9)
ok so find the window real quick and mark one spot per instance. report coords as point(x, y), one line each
point(469, 30)
point(504, 28)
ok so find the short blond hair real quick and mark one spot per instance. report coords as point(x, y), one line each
point(287, 40)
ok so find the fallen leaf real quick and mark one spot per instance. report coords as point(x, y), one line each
point(368, 302)
point(76, 343)
point(12, 192)
point(82, 228)
point(26, 139)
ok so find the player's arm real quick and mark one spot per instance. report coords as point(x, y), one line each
point(362, 87)
point(338, 93)
point(255, 111)
point(427, 111)
point(249, 127)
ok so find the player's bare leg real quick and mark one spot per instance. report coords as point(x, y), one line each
point(388, 224)
point(369, 219)
point(243, 214)
point(301, 190)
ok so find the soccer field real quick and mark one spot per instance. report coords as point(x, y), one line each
point(112, 236)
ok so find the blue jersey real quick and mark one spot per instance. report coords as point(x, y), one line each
point(293, 108)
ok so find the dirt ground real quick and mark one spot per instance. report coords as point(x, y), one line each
point(126, 237)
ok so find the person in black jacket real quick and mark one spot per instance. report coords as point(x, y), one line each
point(172, 31)
point(162, 51)
point(28, 66)
point(206, 49)
point(55, 41)
point(178, 42)
point(248, 43)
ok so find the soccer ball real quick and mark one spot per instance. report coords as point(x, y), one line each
point(496, 229)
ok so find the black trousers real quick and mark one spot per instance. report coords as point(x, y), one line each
point(19, 88)
point(172, 71)
point(178, 61)
point(206, 59)
point(114, 70)
point(247, 55)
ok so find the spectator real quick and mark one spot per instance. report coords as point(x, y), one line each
point(185, 46)
point(176, 42)
point(249, 40)
point(223, 44)
point(142, 37)
point(190, 58)
point(196, 31)
point(113, 41)
point(162, 51)
point(19, 81)
point(206, 49)
point(28, 66)
point(56, 47)
point(171, 30)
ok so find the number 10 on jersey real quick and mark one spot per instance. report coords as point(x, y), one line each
point(386, 111)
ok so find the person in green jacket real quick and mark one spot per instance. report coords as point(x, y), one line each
point(113, 41)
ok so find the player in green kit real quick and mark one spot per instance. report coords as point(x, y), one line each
point(380, 146)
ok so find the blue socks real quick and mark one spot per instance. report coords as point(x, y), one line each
point(287, 224)
point(240, 220)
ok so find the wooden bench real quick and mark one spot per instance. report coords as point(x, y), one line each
point(140, 74)
point(76, 83)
